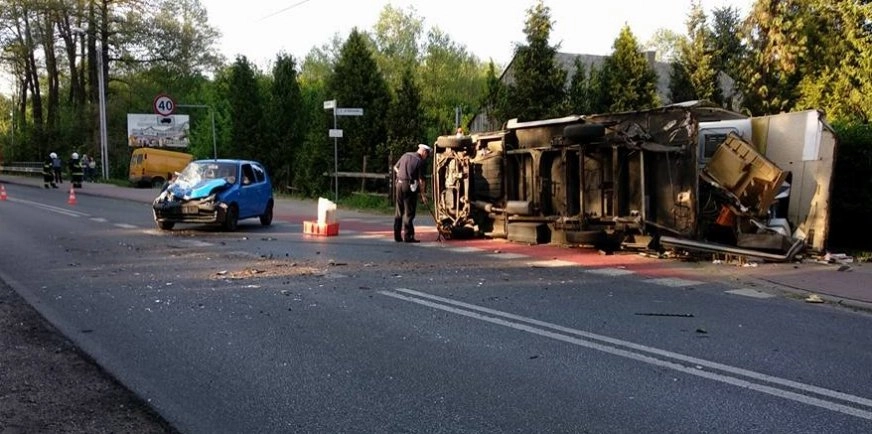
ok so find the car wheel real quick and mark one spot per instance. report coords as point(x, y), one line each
point(157, 182)
point(231, 218)
point(266, 218)
point(166, 226)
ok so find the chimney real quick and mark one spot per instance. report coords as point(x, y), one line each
point(651, 57)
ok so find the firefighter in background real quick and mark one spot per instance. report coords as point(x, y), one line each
point(77, 171)
point(47, 172)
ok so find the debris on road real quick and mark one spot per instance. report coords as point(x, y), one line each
point(814, 298)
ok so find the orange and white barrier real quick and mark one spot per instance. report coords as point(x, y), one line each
point(326, 225)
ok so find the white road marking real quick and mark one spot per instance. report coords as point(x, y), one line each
point(197, 243)
point(554, 263)
point(609, 271)
point(366, 236)
point(51, 208)
point(507, 256)
point(125, 226)
point(747, 292)
point(465, 250)
point(680, 362)
point(98, 219)
point(674, 282)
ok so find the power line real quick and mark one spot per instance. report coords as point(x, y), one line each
point(285, 9)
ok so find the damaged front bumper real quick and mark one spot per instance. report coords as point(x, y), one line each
point(203, 211)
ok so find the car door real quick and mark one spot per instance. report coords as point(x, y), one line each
point(256, 190)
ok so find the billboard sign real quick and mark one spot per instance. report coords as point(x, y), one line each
point(156, 131)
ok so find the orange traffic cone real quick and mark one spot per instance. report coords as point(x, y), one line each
point(72, 199)
point(2, 192)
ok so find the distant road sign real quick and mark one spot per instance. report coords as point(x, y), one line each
point(335, 133)
point(164, 105)
point(329, 104)
point(349, 112)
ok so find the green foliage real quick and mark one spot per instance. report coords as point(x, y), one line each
point(357, 83)
point(580, 98)
point(666, 43)
point(628, 81)
point(726, 40)
point(405, 119)
point(839, 78)
point(694, 75)
point(680, 87)
point(494, 102)
point(397, 37)
point(367, 202)
point(315, 156)
point(285, 127)
point(537, 88)
point(777, 51)
point(450, 77)
point(246, 111)
point(851, 201)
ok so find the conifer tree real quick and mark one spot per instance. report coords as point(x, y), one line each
point(629, 82)
point(538, 84)
point(246, 110)
point(357, 83)
point(405, 119)
point(694, 76)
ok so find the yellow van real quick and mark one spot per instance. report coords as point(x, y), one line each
point(153, 166)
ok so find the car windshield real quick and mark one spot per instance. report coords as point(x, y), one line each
point(199, 171)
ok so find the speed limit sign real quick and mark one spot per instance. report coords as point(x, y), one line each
point(164, 105)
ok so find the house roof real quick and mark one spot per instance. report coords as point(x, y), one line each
point(566, 61)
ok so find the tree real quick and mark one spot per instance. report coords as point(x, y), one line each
point(628, 81)
point(405, 119)
point(494, 100)
point(728, 50)
point(777, 41)
point(357, 82)
point(285, 117)
point(695, 64)
point(397, 37)
point(450, 78)
point(680, 86)
point(839, 75)
point(726, 39)
point(581, 96)
point(537, 87)
point(246, 110)
point(666, 43)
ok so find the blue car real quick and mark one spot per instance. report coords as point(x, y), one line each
point(216, 192)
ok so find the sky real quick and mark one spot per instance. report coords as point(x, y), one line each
point(489, 29)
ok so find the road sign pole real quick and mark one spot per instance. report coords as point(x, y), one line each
point(335, 160)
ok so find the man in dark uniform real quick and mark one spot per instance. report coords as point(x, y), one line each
point(47, 172)
point(77, 172)
point(409, 172)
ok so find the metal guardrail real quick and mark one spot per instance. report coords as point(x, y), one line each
point(26, 167)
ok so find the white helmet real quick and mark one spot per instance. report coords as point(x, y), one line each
point(75, 155)
point(53, 155)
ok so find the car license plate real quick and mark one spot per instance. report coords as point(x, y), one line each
point(189, 209)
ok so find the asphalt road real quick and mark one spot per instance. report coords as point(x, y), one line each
point(267, 330)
